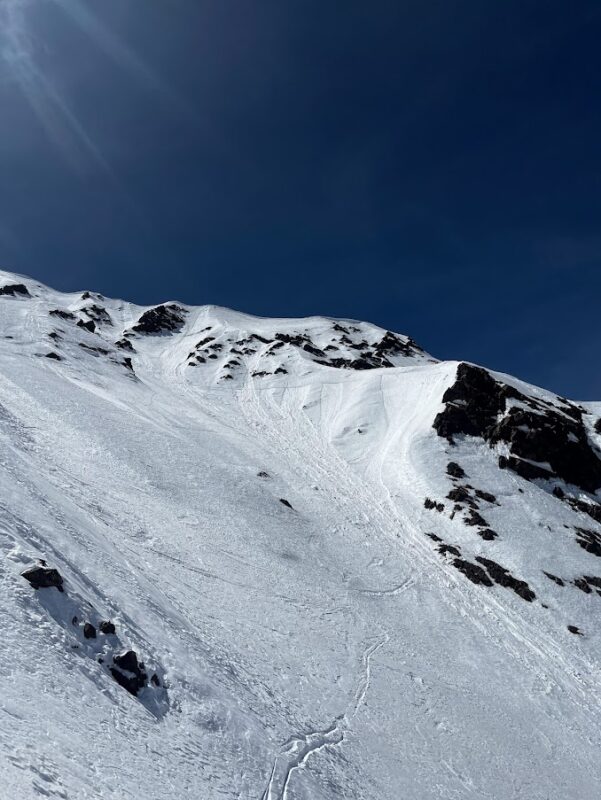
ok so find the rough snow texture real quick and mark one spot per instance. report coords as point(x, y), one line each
point(418, 619)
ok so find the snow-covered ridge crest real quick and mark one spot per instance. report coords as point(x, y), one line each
point(313, 573)
point(228, 345)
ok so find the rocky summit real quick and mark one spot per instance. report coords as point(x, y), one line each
point(288, 559)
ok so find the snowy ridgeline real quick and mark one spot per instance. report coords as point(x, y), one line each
point(287, 560)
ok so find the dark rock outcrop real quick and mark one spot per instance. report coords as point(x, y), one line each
point(89, 325)
point(455, 470)
point(474, 518)
point(546, 440)
point(589, 540)
point(461, 495)
point(554, 578)
point(503, 577)
point(474, 572)
point(106, 627)
point(161, 319)
point(62, 314)
point(472, 404)
point(486, 496)
point(44, 578)
point(551, 438)
point(445, 549)
point(14, 290)
point(591, 508)
point(433, 505)
point(588, 584)
point(89, 631)
point(98, 314)
point(129, 672)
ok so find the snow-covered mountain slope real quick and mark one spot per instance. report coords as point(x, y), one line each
point(288, 560)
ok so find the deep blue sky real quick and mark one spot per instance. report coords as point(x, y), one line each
point(431, 166)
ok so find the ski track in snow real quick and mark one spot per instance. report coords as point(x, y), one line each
point(295, 754)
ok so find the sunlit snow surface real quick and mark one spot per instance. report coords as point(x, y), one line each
point(322, 651)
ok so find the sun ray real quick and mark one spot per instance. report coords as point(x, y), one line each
point(123, 55)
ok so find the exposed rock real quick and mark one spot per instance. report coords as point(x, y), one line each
point(285, 503)
point(486, 496)
point(461, 495)
point(455, 470)
point(541, 434)
point(551, 438)
point(44, 578)
point(474, 518)
point(574, 629)
point(90, 325)
point(161, 319)
point(589, 540)
point(98, 314)
point(59, 312)
point(54, 356)
point(391, 344)
point(14, 289)
point(592, 509)
point(524, 469)
point(89, 631)
point(488, 534)
point(128, 672)
point(432, 504)
point(100, 350)
point(588, 584)
point(443, 549)
point(554, 578)
point(106, 627)
point(503, 577)
point(474, 572)
point(472, 404)
point(125, 344)
point(297, 339)
point(598, 426)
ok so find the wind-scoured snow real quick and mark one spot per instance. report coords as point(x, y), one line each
point(329, 646)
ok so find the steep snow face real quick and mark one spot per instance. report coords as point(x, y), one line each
point(296, 559)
